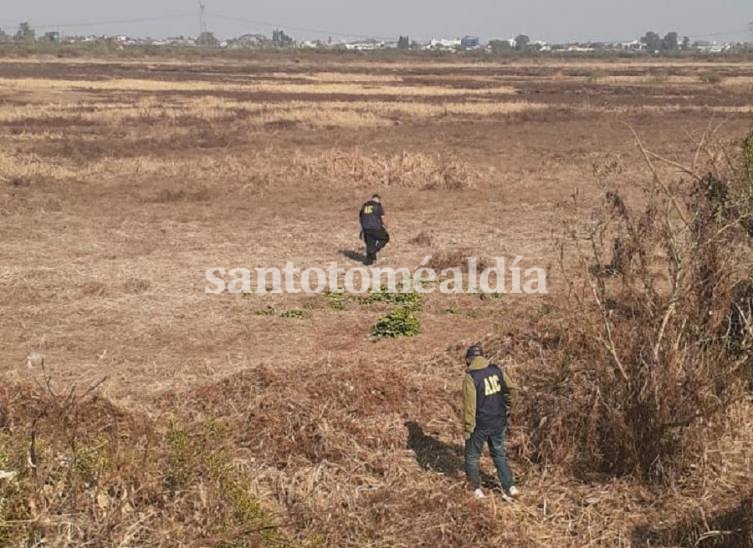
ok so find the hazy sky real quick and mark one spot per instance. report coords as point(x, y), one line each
point(551, 20)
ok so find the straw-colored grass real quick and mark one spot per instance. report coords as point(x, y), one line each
point(316, 114)
point(340, 77)
point(263, 169)
point(668, 108)
point(324, 87)
point(646, 80)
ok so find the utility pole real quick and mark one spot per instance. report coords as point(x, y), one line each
point(202, 18)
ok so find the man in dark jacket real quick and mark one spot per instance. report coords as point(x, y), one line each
point(373, 228)
point(486, 391)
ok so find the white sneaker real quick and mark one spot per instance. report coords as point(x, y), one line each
point(514, 491)
point(479, 494)
point(506, 497)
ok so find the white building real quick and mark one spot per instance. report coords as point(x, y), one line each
point(713, 47)
point(635, 44)
point(367, 45)
point(447, 44)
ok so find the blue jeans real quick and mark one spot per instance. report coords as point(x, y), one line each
point(473, 449)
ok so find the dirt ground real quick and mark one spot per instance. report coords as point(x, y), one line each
point(122, 182)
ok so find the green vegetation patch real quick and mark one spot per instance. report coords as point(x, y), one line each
point(401, 322)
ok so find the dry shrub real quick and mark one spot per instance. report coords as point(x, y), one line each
point(711, 78)
point(656, 346)
point(24, 170)
point(455, 258)
point(409, 170)
point(89, 473)
point(18, 182)
point(422, 239)
point(136, 285)
point(169, 195)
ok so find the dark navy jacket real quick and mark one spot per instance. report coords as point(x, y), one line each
point(490, 413)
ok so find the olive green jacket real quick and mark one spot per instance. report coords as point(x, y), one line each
point(469, 394)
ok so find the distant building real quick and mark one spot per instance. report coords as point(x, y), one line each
point(366, 45)
point(470, 42)
point(446, 44)
point(633, 45)
point(711, 47)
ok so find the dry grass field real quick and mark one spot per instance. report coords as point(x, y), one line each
point(167, 417)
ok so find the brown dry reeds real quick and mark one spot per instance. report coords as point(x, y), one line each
point(410, 170)
point(87, 472)
point(261, 170)
point(639, 381)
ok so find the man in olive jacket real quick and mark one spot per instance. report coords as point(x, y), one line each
point(486, 393)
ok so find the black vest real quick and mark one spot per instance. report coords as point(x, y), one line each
point(371, 215)
point(491, 405)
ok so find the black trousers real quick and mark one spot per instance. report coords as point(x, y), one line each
point(376, 239)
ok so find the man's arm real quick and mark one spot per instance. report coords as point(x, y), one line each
point(469, 406)
point(512, 388)
point(382, 217)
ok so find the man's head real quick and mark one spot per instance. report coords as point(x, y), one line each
point(376, 198)
point(475, 351)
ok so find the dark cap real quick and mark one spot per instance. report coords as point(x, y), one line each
point(474, 352)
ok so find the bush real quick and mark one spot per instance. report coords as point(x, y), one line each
point(710, 78)
point(659, 78)
point(456, 258)
point(747, 162)
point(336, 300)
point(652, 349)
point(294, 313)
point(267, 311)
point(399, 323)
point(411, 300)
point(118, 478)
point(595, 77)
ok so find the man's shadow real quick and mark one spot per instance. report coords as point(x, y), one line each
point(353, 255)
point(439, 457)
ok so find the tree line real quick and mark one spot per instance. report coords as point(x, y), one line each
point(652, 41)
